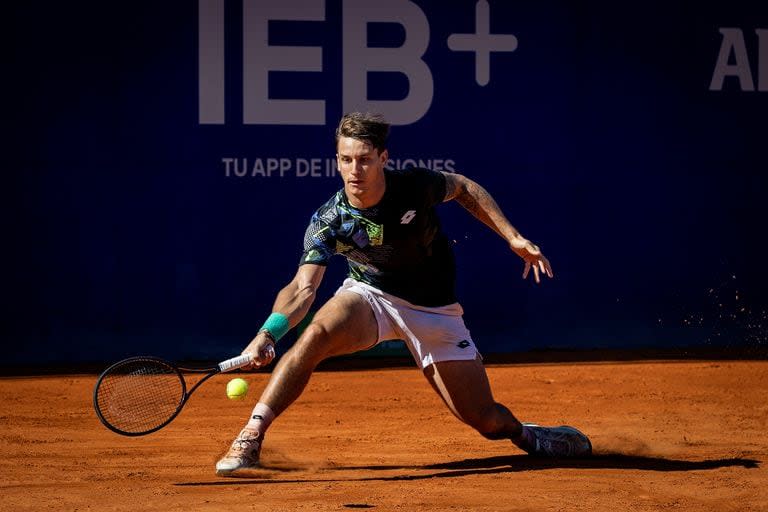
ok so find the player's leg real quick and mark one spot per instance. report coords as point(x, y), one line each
point(464, 387)
point(345, 324)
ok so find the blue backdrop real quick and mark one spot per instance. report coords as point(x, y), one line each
point(163, 159)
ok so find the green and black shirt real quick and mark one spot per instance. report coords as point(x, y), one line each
point(396, 246)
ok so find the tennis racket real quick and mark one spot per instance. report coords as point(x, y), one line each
point(140, 395)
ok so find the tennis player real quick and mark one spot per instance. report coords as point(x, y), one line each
point(400, 286)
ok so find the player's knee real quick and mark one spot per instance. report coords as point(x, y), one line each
point(488, 429)
point(313, 332)
point(311, 344)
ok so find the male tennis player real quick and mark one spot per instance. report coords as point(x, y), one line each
point(400, 286)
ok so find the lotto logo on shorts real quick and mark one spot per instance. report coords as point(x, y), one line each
point(408, 217)
point(463, 344)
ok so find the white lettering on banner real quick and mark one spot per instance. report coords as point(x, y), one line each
point(259, 58)
point(762, 67)
point(281, 167)
point(310, 167)
point(265, 167)
point(210, 73)
point(435, 164)
point(482, 42)
point(358, 59)
point(733, 43)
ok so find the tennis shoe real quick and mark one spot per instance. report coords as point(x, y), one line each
point(243, 454)
point(563, 441)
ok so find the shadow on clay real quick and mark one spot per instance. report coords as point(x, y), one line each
point(489, 466)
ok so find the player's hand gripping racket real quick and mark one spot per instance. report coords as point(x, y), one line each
point(140, 395)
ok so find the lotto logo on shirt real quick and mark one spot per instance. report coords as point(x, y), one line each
point(408, 217)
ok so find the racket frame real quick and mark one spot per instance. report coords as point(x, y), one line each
point(184, 397)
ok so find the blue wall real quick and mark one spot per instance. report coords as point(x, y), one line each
point(602, 135)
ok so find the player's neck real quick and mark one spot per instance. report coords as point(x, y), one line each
point(368, 198)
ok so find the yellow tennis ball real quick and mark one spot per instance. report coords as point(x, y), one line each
point(237, 389)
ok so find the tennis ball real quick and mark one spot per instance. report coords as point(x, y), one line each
point(237, 389)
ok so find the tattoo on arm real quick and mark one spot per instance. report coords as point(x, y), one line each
point(467, 193)
point(477, 201)
point(452, 186)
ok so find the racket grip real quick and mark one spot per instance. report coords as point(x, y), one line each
point(234, 363)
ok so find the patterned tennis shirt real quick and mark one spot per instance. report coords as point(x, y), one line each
point(397, 245)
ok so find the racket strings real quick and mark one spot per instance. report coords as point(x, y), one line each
point(140, 396)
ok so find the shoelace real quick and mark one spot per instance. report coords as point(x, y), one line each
point(243, 444)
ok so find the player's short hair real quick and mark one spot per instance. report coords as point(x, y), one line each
point(370, 128)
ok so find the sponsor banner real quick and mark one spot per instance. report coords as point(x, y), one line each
point(165, 159)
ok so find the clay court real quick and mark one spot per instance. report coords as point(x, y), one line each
point(684, 435)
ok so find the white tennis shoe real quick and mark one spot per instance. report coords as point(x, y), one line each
point(563, 441)
point(243, 454)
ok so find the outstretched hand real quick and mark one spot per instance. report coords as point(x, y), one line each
point(261, 351)
point(533, 258)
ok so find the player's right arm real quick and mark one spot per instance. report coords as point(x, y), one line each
point(293, 301)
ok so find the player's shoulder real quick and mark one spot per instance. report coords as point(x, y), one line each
point(412, 176)
point(328, 212)
point(412, 173)
point(417, 182)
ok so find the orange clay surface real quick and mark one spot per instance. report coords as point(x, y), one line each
point(667, 436)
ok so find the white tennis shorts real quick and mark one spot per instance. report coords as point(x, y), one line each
point(431, 334)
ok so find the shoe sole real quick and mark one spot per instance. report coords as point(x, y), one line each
point(231, 472)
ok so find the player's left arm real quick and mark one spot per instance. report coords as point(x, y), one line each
point(475, 199)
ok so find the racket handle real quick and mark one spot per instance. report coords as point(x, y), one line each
point(234, 363)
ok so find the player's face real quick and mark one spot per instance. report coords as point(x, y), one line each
point(361, 167)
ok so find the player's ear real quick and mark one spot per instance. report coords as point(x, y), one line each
point(384, 156)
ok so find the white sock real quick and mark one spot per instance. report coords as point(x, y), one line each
point(261, 418)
